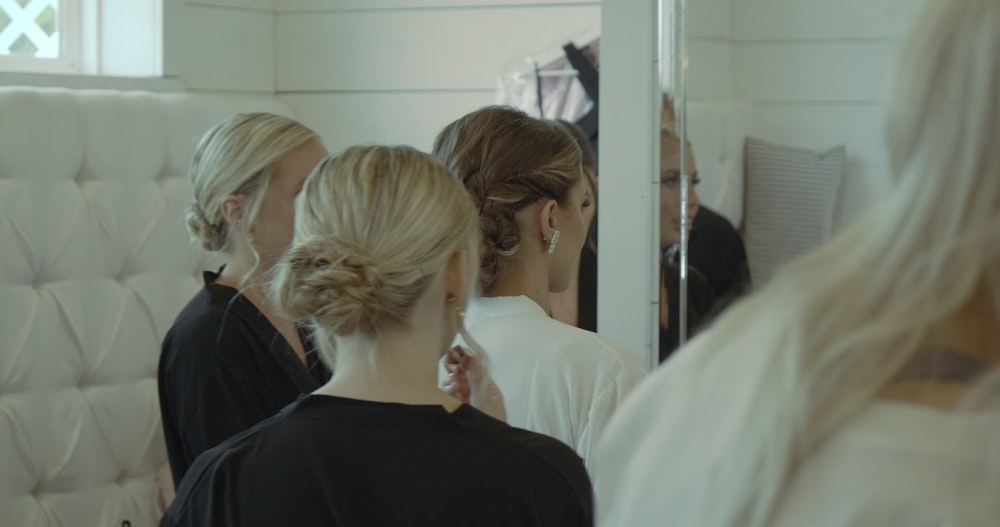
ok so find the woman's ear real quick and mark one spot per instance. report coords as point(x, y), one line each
point(547, 220)
point(457, 276)
point(232, 210)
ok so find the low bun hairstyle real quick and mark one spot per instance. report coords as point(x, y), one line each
point(234, 158)
point(507, 160)
point(372, 226)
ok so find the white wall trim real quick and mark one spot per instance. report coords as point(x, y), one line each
point(160, 84)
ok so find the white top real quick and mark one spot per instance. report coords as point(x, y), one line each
point(898, 464)
point(893, 464)
point(556, 379)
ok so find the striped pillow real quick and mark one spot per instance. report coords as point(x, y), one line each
point(789, 202)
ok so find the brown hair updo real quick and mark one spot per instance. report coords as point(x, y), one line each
point(507, 160)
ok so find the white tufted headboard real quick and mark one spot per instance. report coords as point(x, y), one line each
point(95, 263)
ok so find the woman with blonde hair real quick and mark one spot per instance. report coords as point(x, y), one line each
point(526, 180)
point(837, 395)
point(383, 261)
point(717, 268)
point(230, 360)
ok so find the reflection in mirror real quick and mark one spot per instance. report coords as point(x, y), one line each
point(704, 265)
point(787, 153)
point(676, 206)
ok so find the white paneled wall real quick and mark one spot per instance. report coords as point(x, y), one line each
point(814, 71)
point(710, 50)
point(397, 71)
point(222, 45)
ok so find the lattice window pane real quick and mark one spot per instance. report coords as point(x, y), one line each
point(30, 28)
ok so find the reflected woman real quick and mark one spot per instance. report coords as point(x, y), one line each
point(718, 273)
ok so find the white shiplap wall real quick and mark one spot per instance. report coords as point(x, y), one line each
point(397, 71)
point(814, 71)
point(710, 50)
point(222, 45)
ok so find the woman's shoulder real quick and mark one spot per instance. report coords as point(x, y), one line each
point(901, 463)
point(210, 309)
point(216, 319)
point(587, 346)
point(542, 453)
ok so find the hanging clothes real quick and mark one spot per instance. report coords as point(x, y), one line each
point(540, 93)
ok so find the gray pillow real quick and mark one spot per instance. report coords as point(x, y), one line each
point(790, 197)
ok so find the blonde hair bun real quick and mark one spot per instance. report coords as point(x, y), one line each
point(372, 225)
point(337, 284)
point(213, 237)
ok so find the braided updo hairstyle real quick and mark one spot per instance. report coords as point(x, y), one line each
point(372, 226)
point(507, 160)
point(234, 158)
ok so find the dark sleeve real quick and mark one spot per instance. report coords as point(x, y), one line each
point(732, 279)
point(570, 468)
point(549, 460)
point(210, 389)
point(209, 496)
point(699, 307)
point(718, 252)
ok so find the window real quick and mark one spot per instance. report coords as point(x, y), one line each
point(91, 37)
point(40, 35)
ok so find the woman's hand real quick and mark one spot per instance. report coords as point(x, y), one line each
point(468, 380)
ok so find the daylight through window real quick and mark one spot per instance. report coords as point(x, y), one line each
point(30, 28)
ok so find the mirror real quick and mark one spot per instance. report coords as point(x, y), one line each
point(678, 176)
point(705, 266)
point(779, 104)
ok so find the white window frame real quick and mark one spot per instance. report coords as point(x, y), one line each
point(70, 46)
point(92, 39)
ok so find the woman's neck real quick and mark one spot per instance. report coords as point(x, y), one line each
point(400, 367)
point(518, 281)
point(565, 305)
point(971, 330)
point(247, 274)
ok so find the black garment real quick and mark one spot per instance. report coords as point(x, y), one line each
point(718, 274)
point(223, 368)
point(587, 73)
point(332, 461)
point(699, 305)
point(586, 297)
point(716, 250)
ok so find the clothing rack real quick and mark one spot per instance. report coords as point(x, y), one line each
point(548, 73)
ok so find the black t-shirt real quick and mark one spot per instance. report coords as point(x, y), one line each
point(333, 461)
point(224, 368)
